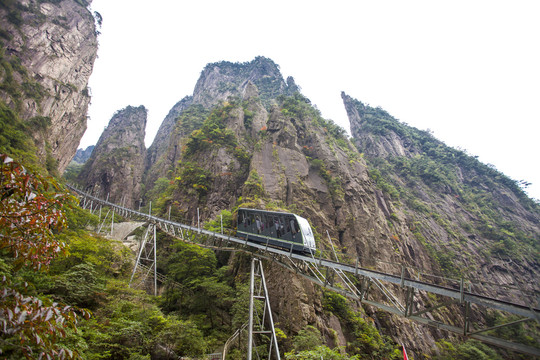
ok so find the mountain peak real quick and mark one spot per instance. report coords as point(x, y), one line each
point(117, 162)
point(223, 79)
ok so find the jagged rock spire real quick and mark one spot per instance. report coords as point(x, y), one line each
point(116, 165)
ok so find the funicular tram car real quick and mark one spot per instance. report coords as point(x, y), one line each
point(278, 229)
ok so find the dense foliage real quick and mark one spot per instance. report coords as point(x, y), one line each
point(30, 215)
point(14, 139)
point(191, 119)
point(213, 132)
point(368, 343)
point(469, 350)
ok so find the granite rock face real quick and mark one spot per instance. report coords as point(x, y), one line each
point(159, 146)
point(471, 217)
point(115, 168)
point(236, 142)
point(158, 153)
point(51, 48)
point(259, 78)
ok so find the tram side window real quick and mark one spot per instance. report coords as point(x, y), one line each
point(246, 219)
point(259, 225)
point(251, 223)
point(273, 225)
point(293, 224)
point(242, 218)
point(277, 227)
point(297, 234)
point(282, 226)
point(264, 228)
point(268, 224)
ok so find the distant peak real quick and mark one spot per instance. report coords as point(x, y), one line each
point(223, 79)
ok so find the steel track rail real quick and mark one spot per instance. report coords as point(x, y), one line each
point(461, 294)
point(458, 295)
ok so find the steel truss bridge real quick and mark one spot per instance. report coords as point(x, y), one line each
point(397, 293)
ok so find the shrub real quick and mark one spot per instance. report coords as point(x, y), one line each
point(307, 339)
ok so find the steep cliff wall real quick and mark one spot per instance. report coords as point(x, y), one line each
point(159, 156)
point(396, 196)
point(48, 52)
point(474, 221)
point(116, 165)
point(218, 82)
point(288, 157)
point(159, 145)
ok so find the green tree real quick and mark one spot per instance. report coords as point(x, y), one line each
point(215, 225)
point(318, 353)
point(30, 214)
point(469, 350)
point(307, 339)
point(182, 338)
point(189, 262)
point(79, 285)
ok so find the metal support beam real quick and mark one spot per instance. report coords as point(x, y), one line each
point(390, 285)
point(260, 323)
point(147, 258)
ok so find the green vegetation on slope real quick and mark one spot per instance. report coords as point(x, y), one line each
point(432, 174)
point(213, 132)
point(17, 136)
point(88, 274)
point(14, 139)
point(203, 133)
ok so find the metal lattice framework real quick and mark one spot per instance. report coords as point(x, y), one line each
point(261, 323)
point(147, 258)
point(398, 293)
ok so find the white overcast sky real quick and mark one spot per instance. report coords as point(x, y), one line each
point(467, 70)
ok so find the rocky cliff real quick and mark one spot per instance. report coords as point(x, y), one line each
point(280, 153)
point(395, 195)
point(115, 168)
point(218, 82)
point(159, 145)
point(48, 52)
point(473, 220)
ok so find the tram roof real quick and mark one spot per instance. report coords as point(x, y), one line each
point(269, 212)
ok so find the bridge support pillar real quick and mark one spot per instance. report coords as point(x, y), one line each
point(257, 320)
